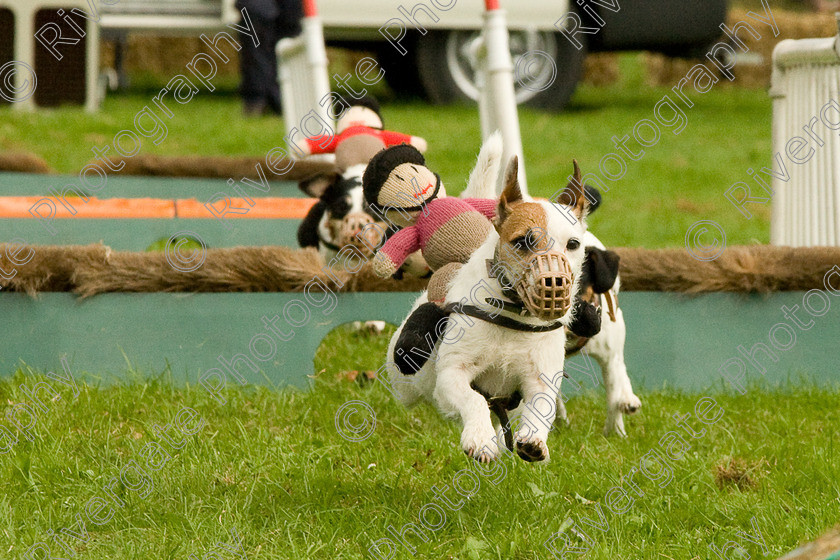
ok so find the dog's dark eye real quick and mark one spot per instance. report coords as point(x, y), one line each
point(525, 242)
point(339, 208)
point(573, 244)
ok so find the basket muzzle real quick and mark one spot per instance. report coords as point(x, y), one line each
point(546, 286)
point(354, 231)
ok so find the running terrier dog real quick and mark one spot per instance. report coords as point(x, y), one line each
point(492, 349)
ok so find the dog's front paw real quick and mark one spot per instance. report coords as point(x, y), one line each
point(629, 404)
point(532, 449)
point(480, 444)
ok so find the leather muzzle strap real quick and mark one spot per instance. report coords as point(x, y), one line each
point(328, 244)
point(612, 304)
point(499, 406)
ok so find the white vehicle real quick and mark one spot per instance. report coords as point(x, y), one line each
point(425, 45)
point(438, 63)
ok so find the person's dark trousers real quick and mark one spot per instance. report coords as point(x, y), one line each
point(259, 89)
point(272, 20)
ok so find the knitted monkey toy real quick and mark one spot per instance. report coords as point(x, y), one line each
point(359, 129)
point(445, 229)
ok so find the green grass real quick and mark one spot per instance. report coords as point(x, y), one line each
point(678, 181)
point(272, 465)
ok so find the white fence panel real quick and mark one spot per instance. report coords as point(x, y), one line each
point(806, 207)
point(303, 74)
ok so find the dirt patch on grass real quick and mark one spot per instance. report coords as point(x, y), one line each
point(735, 472)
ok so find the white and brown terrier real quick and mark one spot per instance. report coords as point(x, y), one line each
point(479, 360)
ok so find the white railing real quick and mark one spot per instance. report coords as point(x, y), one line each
point(168, 16)
point(806, 80)
point(494, 77)
point(302, 71)
point(25, 45)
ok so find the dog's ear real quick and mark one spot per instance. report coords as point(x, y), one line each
point(511, 194)
point(593, 195)
point(602, 268)
point(316, 186)
point(573, 195)
point(307, 233)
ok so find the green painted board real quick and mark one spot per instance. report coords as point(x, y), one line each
point(673, 341)
point(102, 335)
point(138, 235)
point(28, 184)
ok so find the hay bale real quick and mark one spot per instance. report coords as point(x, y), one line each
point(163, 55)
point(23, 162)
point(95, 269)
point(750, 269)
point(665, 71)
point(52, 268)
point(601, 69)
point(214, 167)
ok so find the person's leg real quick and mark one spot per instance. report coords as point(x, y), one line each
point(269, 65)
point(259, 70)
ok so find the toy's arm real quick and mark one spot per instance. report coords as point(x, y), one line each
point(394, 252)
point(323, 144)
point(396, 138)
point(487, 206)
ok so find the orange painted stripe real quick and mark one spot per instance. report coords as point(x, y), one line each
point(270, 207)
point(138, 208)
point(18, 207)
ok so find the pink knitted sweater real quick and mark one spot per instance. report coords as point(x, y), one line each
point(436, 213)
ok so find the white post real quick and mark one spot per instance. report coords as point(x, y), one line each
point(806, 204)
point(500, 111)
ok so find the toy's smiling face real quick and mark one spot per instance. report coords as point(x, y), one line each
point(398, 184)
point(406, 191)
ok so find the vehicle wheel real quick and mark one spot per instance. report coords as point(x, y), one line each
point(547, 67)
point(401, 71)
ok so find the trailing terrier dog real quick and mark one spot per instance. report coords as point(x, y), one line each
point(339, 216)
point(599, 286)
point(503, 349)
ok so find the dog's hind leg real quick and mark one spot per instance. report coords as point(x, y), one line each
point(562, 418)
point(620, 397)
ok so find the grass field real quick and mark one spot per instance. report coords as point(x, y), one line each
point(274, 467)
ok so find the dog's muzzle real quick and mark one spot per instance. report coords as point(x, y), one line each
point(354, 231)
point(546, 286)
